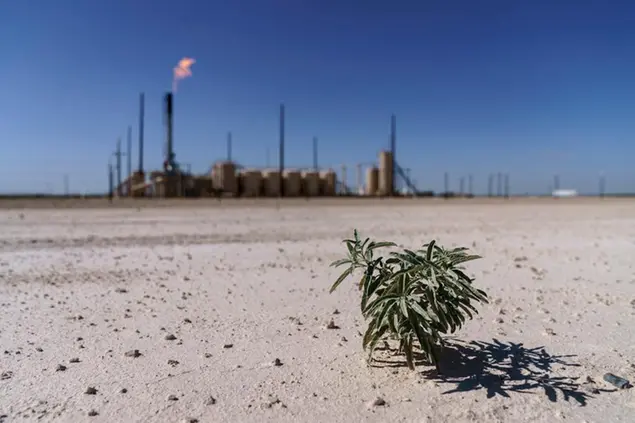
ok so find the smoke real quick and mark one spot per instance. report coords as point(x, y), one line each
point(182, 71)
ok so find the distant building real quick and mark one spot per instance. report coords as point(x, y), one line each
point(565, 193)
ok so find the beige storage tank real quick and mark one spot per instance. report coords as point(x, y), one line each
point(271, 181)
point(372, 181)
point(311, 184)
point(251, 183)
point(385, 173)
point(292, 183)
point(328, 183)
point(225, 178)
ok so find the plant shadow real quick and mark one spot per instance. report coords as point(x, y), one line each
point(500, 368)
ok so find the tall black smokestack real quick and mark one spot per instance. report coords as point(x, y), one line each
point(169, 160)
point(141, 117)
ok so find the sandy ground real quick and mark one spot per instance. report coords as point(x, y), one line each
point(227, 307)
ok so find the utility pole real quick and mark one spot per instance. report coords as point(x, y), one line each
point(129, 157)
point(141, 117)
point(229, 146)
point(315, 154)
point(281, 159)
point(118, 155)
point(110, 181)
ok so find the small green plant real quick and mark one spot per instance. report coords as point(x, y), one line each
point(411, 296)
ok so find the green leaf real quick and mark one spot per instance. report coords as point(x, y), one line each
point(339, 280)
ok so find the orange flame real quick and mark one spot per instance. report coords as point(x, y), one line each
point(182, 71)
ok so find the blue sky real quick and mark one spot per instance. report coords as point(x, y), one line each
point(526, 87)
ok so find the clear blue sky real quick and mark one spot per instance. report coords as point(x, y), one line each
point(526, 87)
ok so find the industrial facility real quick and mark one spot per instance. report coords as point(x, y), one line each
point(228, 178)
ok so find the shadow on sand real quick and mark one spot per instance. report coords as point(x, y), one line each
point(500, 368)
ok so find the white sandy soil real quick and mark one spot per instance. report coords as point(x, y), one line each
point(239, 287)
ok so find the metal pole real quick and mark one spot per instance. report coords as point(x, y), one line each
point(281, 160)
point(315, 154)
point(229, 146)
point(118, 155)
point(110, 181)
point(141, 117)
point(129, 157)
point(393, 149)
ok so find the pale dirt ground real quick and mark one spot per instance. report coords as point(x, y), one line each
point(92, 284)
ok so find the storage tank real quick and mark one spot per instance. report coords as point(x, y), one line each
point(292, 183)
point(251, 183)
point(372, 181)
point(328, 183)
point(385, 173)
point(225, 178)
point(311, 184)
point(271, 181)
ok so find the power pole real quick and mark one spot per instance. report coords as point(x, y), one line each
point(118, 155)
point(129, 157)
point(110, 181)
point(315, 154)
point(281, 159)
point(141, 117)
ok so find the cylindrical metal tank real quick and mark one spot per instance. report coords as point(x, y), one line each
point(292, 183)
point(271, 180)
point(311, 183)
point(372, 181)
point(225, 177)
point(386, 173)
point(328, 183)
point(252, 183)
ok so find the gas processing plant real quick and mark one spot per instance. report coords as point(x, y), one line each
point(229, 179)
